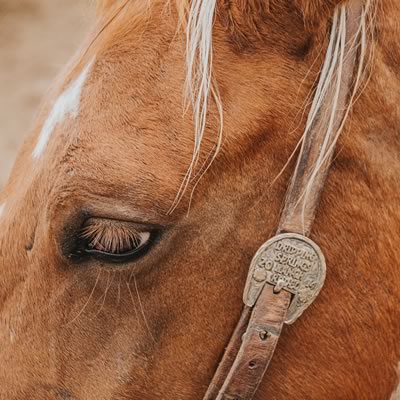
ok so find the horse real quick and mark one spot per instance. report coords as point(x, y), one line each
point(159, 163)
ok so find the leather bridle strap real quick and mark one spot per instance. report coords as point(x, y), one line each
point(254, 340)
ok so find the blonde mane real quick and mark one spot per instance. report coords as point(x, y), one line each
point(197, 17)
point(200, 85)
point(331, 75)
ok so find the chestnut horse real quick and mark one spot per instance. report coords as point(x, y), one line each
point(125, 238)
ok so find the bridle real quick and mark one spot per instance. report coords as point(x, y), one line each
point(288, 271)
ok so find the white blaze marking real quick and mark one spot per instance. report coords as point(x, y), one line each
point(2, 207)
point(396, 393)
point(66, 105)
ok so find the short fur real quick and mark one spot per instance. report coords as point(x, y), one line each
point(82, 328)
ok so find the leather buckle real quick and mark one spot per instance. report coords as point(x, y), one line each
point(290, 262)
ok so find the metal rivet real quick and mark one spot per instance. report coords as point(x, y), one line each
point(279, 286)
point(264, 335)
point(252, 365)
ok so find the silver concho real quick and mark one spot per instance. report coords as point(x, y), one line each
point(291, 262)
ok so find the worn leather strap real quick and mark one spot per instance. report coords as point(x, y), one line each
point(251, 348)
point(298, 216)
point(258, 345)
point(254, 340)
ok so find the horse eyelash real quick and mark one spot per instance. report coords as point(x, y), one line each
point(111, 236)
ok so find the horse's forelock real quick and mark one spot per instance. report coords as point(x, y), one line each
point(199, 85)
point(198, 16)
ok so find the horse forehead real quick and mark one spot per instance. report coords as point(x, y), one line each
point(2, 208)
point(65, 105)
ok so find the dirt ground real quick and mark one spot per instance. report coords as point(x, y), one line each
point(36, 39)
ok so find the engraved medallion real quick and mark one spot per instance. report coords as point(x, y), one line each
point(289, 262)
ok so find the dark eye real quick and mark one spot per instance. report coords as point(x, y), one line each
point(114, 241)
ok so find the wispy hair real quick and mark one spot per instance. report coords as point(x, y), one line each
point(325, 107)
point(200, 87)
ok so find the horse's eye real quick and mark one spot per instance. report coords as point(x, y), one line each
point(114, 241)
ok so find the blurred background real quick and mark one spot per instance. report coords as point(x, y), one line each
point(37, 37)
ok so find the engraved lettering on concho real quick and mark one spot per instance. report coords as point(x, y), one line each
point(294, 261)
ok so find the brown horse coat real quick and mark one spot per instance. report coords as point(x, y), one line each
point(111, 146)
